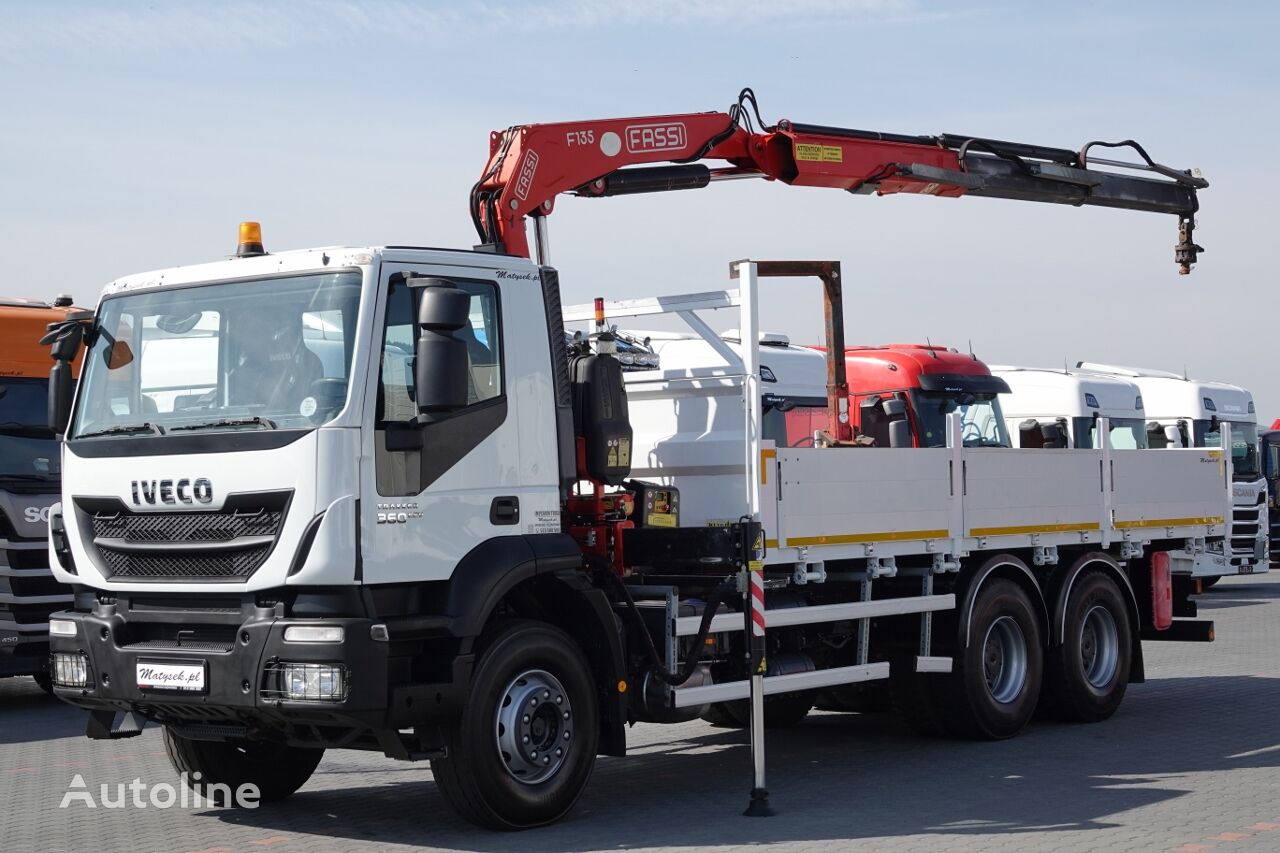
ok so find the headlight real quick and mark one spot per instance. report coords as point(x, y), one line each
point(62, 628)
point(314, 681)
point(313, 634)
point(70, 669)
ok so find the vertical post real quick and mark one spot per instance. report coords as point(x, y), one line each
point(753, 535)
point(749, 324)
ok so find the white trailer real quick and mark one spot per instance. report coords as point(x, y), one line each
point(1200, 413)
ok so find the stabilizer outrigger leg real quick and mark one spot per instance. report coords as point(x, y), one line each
point(758, 665)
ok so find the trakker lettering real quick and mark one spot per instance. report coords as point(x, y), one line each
point(184, 491)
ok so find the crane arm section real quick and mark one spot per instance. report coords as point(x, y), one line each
point(530, 165)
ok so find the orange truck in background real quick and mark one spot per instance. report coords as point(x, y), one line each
point(29, 485)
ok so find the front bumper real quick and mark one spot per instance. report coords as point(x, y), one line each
point(240, 650)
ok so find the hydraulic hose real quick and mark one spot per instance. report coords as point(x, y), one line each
point(660, 671)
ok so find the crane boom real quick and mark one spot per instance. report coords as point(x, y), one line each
point(529, 165)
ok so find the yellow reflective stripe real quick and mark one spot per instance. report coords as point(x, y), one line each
point(764, 471)
point(855, 538)
point(1072, 527)
point(1168, 522)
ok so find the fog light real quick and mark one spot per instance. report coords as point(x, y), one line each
point(70, 669)
point(62, 628)
point(321, 681)
point(313, 634)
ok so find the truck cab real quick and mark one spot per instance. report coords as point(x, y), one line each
point(1062, 408)
point(933, 382)
point(1269, 452)
point(1190, 413)
point(29, 482)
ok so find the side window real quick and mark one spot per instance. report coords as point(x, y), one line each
point(875, 423)
point(396, 393)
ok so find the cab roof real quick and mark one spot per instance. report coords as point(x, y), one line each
point(23, 322)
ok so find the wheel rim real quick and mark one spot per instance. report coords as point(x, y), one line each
point(1099, 646)
point(533, 726)
point(1004, 660)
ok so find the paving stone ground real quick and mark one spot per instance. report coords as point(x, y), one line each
point(1190, 763)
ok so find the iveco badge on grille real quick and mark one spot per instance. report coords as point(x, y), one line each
point(184, 491)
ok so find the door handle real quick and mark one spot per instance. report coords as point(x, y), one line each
point(505, 510)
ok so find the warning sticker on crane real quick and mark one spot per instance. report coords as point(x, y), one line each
point(819, 153)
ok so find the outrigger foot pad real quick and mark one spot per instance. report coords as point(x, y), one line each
point(759, 806)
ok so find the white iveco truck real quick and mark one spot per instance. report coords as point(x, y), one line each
point(367, 498)
point(1190, 413)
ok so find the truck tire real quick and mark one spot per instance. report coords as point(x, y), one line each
point(277, 770)
point(486, 776)
point(1089, 671)
point(781, 711)
point(992, 693)
point(1208, 583)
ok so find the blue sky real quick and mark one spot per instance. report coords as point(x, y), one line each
point(136, 136)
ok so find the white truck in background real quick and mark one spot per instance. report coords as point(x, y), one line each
point(1071, 402)
point(1184, 412)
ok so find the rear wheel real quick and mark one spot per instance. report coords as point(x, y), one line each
point(525, 744)
point(1089, 670)
point(275, 769)
point(996, 685)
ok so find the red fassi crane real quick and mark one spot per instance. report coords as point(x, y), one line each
point(529, 165)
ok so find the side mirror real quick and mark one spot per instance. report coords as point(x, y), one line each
point(1030, 435)
point(60, 386)
point(895, 408)
point(442, 369)
point(1173, 436)
point(64, 340)
point(1054, 435)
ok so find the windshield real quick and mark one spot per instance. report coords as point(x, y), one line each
point(981, 422)
point(1244, 445)
point(1126, 433)
point(261, 354)
point(1271, 456)
point(27, 448)
point(791, 422)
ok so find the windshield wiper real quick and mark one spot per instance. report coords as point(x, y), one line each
point(15, 428)
point(33, 478)
point(126, 429)
point(221, 422)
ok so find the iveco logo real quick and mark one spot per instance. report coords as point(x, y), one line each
point(183, 491)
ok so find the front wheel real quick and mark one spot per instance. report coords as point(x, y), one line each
point(44, 681)
point(274, 769)
point(525, 744)
point(1089, 671)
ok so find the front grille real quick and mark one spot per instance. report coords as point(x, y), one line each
point(204, 638)
point(172, 564)
point(27, 614)
point(185, 645)
point(26, 587)
point(224, 545)
point(187, 526)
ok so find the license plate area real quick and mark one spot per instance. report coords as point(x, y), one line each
point(172, 676)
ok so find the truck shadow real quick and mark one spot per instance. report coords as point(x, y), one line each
point(27, 713)
point(845, 776)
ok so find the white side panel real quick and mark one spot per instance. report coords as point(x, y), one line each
point(1016, 492)
point(863, 495)
point(1170, 488)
